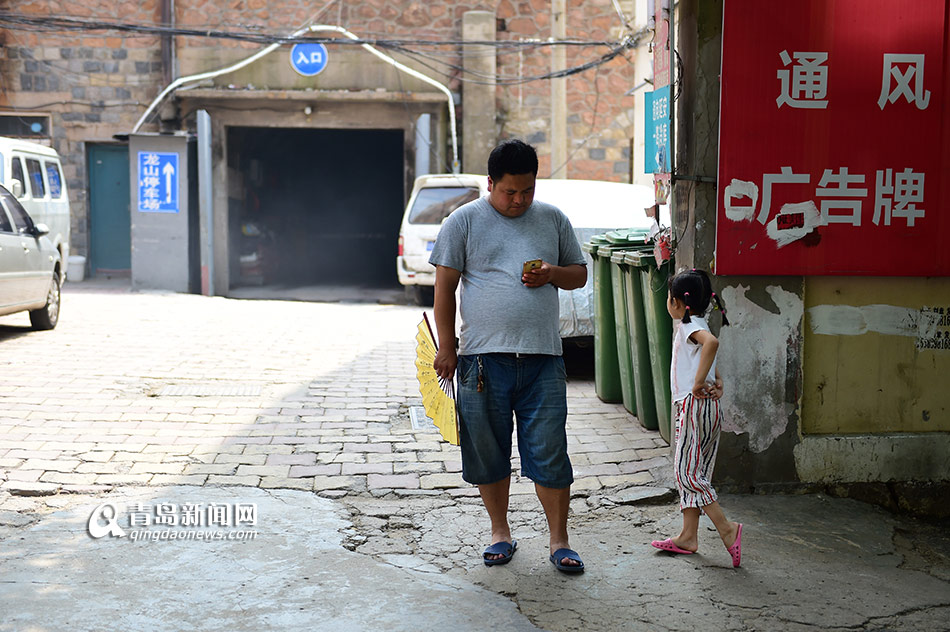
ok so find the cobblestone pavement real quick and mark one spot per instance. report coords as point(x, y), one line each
point(156, 389)
point(160, 389)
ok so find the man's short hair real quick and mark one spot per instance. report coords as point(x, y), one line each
point(514, 157)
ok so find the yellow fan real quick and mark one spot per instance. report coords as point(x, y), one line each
point(438, 395)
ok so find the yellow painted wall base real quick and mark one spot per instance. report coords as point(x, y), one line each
point(876, 355)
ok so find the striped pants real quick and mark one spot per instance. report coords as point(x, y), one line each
point(697, 440)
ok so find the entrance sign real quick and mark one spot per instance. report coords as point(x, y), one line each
point(833, 150)
point(309, 59)
point(158, 182)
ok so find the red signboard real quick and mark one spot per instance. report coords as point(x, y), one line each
point(834, 148)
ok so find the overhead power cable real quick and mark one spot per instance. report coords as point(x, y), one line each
point(59, 24)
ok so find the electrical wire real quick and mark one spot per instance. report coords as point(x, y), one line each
point(60, 23)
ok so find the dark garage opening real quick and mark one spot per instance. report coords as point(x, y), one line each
point(314, 207)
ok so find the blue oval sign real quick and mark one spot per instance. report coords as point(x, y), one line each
point(308, 59)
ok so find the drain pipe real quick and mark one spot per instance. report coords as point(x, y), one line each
point(313, 29)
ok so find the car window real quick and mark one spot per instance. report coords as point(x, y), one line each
point(434, 204)
point(55, 179)
point(17, 173)
point(5, 225)
point(21, 220)
point(37, 187)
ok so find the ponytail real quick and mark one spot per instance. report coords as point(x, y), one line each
point(686, 318)
point(719, 306)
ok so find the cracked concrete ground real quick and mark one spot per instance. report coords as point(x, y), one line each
point(363, 521)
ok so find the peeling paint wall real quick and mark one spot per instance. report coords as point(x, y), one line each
point(754, 356)
point(875, 355)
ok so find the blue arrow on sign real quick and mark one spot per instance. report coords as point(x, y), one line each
point(308, 59)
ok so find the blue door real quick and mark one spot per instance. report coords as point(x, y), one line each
point(110, 245)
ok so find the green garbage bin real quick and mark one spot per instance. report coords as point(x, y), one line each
point(606, 369)
point(619, 271)
point(639, 342)
point(659, 326)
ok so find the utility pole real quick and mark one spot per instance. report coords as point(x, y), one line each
point(558, 91)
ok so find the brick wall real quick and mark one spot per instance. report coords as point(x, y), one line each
point(96, 84)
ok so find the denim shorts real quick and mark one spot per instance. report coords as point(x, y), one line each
point(533, 389)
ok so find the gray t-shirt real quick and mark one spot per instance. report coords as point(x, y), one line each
point(499, 313)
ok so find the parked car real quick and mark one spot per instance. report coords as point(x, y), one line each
point(33, 173)
point(592, 206)
point(31, 268)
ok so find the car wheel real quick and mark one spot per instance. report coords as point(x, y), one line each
point(423, 295)
point(48, 315)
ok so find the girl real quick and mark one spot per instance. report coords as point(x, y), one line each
point(696, 387)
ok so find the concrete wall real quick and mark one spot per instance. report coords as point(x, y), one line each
point(838, 382)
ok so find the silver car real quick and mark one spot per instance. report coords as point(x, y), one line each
point(31, 270)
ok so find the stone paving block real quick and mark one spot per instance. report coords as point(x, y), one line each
point(260, 448)
point(627, 480)
point(280, 471)
point(246, 481)
point(610, 469)
point(599, 458)
point(241, 459)
point(441, 481)
point(63, 478)
point(351, 483)
point(329, 469)
point(385, 481)
point(586, 484)
point(24, 475)
point(654, 452)
point(280, 482)
point(96, 456)
point(9, 462)
point(418, 468)
point(157, 468)
point(303, 458)
point(210, 468)
point(631, 467)
point(57, 465)
point(104, 468)
point(178, 479)
point(24, 488)
point(21, 453)
point(123, 479)
point(376, 448)
point(367, 468)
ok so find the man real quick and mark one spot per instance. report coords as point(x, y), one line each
point(509, 358)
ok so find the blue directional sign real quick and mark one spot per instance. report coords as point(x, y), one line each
point(308, 59)
point(158, 182)
point(656, 110)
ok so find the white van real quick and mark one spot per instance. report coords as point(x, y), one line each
point(34, 174)
point(593, 207)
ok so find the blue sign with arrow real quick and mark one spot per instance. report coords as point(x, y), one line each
point(158, 182)
point(308, 59)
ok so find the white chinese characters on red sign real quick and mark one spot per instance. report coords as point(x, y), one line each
point(839, 137)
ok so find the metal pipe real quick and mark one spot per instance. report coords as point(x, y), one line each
point(314, 28)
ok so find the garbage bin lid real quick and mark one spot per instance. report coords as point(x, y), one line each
point(627, 236)
point(619, 256)
point(640, 258)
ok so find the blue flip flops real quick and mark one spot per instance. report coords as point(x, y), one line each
point(570, 554)
point(505, 549)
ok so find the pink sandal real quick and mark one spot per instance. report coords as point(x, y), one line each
point(668, 546)
point(736, 549)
